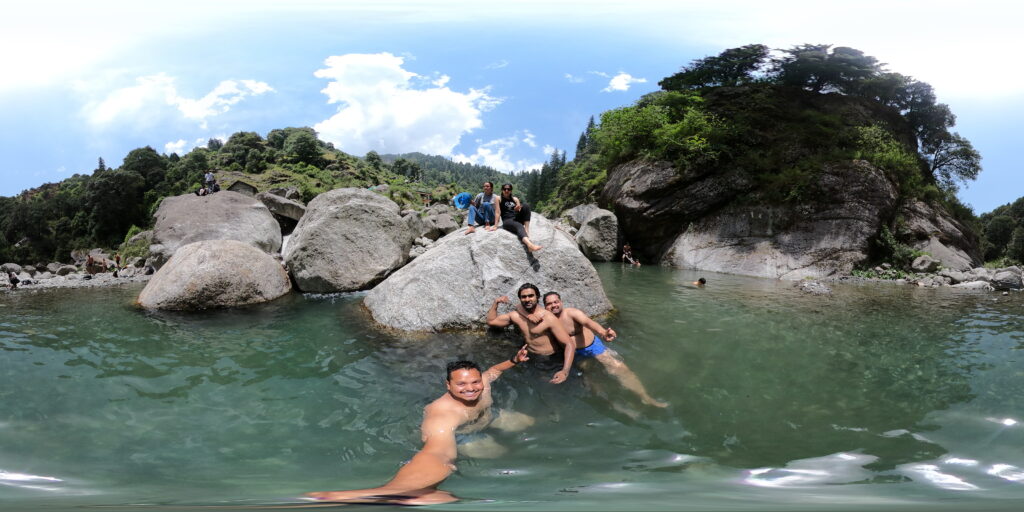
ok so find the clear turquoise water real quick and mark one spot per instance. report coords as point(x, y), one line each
point(875, 398)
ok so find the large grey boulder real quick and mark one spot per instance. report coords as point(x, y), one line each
point(1007, 279)
point(577, 215)
point(349, 239)
point(214, 274)
point(453, 284)
point(925, 263)
point(66, 269)
point(226, 215)
point(933, 230)
point(813, 239)
point(282, 206)
point(287, 193)
point(10, 267)
point(598, 236)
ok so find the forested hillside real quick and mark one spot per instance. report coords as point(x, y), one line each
point(99, 209)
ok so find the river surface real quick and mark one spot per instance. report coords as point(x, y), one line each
point(878, 397)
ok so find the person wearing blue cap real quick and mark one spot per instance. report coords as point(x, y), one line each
point(481, 208)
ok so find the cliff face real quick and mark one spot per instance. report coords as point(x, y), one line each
point(723, 223)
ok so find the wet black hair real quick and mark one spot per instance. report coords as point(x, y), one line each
point(459, 365)
point(527, 286)
point(702, 281)
point(548, 294)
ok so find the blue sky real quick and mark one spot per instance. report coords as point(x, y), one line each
point(494, 83)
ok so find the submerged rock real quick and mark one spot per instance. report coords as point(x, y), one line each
point(349, 239)
point(215, 274)
point(453, 284)
point(225, 215)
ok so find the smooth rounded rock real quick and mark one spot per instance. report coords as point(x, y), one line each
point(453, 284)
point(225, 215)
point(215, 274)
point(349, 239)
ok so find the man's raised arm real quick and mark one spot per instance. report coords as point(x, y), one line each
point(493, 318)
point(495, 371)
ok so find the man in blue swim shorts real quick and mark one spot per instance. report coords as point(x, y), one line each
point(589, 345)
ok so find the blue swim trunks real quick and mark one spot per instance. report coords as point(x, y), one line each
point(594, 349)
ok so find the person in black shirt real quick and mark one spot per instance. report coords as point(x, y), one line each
point(514, 216)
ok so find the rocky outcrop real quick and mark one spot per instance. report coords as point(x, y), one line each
point(214, 274)
point(598, 236)
point(291, 193)
point(930, 229)
point(654, 200)
point(349, 239)
point(813, 239)
point(226, 215)
point(453, 283)
point(925, 263)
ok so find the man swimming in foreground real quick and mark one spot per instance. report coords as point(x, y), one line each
point(466, 407)
point(546, 339)
point(589, 345)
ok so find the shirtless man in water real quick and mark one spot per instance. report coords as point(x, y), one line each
point(546, 339)
point(589, 345)
point(466, 407)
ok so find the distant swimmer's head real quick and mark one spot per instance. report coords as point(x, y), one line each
point(464, 380)
point(553, 302)
point(529, 294)
point(700, 282)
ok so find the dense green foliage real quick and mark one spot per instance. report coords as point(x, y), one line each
point(107, 207)
point(1003, 230)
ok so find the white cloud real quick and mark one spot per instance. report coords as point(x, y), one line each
point(177, 146)
point(497, 65)
point(496, 154)
point(548, 149)
point(382, 110)
point(148, 99)
point(599, 73)
point(529, 138)
point(622, 82)
point(574, 79)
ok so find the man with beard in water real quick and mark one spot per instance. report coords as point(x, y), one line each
point(465, 408)
point(543, 337)
point(584, 332)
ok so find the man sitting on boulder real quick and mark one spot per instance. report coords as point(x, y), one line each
point(481, 208)
point(546, 339)
point(588, 345)
point(466, 407)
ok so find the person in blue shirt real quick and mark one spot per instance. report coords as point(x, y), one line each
point(481, 208)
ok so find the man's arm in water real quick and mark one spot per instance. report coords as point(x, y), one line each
point(416, 482)
point(493, 318)
point(581, 318)
point(495, 371)
point(569, 346)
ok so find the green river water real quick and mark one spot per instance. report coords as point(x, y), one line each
point(878, 397)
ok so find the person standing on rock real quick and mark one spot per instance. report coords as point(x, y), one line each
point(546, 340)
point(481, 208)
point(589, 345)
point(13, 279)
point(514, 217)
point(208, 179)
point(464, 408)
